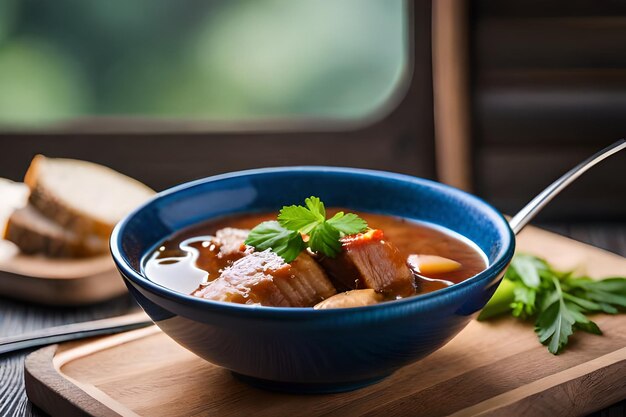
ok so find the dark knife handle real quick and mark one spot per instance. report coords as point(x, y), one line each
point(74, 331)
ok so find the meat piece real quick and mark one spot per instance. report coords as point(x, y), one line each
point(369, 261)
point(231, 239)
point(264, 278)
point(308, 283)
point(219, 251)
point(250, 280)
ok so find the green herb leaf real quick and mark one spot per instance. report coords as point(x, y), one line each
point(589, 327)
point(285, 235)
point(559, 302)
point(316, 207)
point(348, 224)
point(583, 303)
point(298, 219)
point(609, 298)
point(523, 304)
point(325, 239)
point(271, 235)
point(614, 285)
point(554, 326)
point(527, 268)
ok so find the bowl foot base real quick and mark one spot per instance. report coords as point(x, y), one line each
point(306, 388)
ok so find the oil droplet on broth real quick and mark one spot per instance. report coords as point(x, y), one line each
point(178, 273)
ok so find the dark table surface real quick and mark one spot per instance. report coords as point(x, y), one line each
point(17, 317)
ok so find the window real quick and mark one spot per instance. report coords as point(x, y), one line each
point(72, 60)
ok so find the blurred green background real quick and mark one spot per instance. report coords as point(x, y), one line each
point(197, 59)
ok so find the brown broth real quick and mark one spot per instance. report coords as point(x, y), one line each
point(176, 268)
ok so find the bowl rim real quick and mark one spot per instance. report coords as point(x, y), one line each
point(128, 272)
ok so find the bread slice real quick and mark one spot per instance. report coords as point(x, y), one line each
point(13, 195)
point(34, 233)
point(83, 197)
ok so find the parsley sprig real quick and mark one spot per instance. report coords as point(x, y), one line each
point(284, 236)
point(557, 301)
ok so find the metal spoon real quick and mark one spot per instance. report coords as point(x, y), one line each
point(137, 320)
point(530, 210)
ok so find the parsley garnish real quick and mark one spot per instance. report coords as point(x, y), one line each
point(558, 302)
point(284, 237)
point(271, 235)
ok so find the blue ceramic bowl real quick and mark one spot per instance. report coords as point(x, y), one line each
point(301, 349)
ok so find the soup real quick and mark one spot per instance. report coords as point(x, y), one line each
point(394, 258)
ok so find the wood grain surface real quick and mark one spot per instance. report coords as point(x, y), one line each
point(495, 368)
point(17, 317)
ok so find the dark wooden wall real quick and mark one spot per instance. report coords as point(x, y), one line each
point(548, 89)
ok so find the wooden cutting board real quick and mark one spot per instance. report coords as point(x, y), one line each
point(494, 368)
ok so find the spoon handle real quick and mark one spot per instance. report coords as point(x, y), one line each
point(530, 210)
